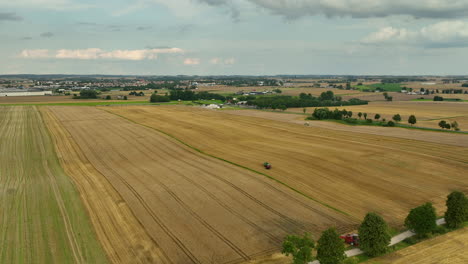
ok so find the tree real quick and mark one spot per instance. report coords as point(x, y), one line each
point(455, 126)
point(330, 247)
point(360, 115)
point(391, 124)
point(397, 118)
point(374, 235)
point(448, 126)
point(412, 120)
point(438, 98)
point(158, 98)
point(365, 115)
point(304, 110)
point(457, 209)
point(389, 98)
point(108, 97)
point(125, 97)
point(350, 114)
point(377, 117)
point(299, 247)
point(282, 107)
point(422, 219)
point(442, 124)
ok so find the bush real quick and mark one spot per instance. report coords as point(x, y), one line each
point(351, 120)
point(352, 260)
point(411, 240)
point(159, 98)
point(422, 219)
point(369, 121)
point(438, 98)
point(299, 247)
point(440, 230)
point(391, 124)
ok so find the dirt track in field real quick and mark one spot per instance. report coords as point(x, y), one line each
point(123, 238)
point(42, 219)
point(354, 172)
point(198, 209)
point(449, 248)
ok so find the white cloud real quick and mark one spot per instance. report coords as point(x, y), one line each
point(218, 61)
point(34, 54)
point(442, 34)
point(191, 61)
point(361, 8)
point(96, 53)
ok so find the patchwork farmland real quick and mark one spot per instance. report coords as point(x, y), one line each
point(384, 174)
point(181, 184)
point(197, 209)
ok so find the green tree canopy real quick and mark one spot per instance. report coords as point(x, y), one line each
point(330, 247)
point(422, 219)
point(299, 247)
point(457, 209)
point(397, 118)
point(374, 235)
point(412, 120)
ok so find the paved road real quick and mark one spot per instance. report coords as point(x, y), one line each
point(395, 240)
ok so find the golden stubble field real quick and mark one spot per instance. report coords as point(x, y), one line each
point(195, 208)
point(353, 172)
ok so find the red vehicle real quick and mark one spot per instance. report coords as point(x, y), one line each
point(267, 165)
point(351, 239)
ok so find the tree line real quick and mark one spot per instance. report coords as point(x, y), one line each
point(303, 100)
point(347, 116)
point(374, 233)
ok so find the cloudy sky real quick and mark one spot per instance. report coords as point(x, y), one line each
point(255, 37)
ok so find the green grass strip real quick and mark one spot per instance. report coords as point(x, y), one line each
point(236, 164)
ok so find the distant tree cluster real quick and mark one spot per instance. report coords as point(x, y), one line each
point(188, 95)
point(159, 98)
point(446, 125)
point(303, 100)
point(87, 94)
point(135, 93)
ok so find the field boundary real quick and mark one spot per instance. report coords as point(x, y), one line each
point(235, 164)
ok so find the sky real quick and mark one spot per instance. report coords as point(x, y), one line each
point(234, 37)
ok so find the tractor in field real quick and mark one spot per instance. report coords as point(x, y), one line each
point(267, 165)
point(351, 239)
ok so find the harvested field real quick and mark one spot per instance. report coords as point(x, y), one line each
point(413, 134)
point(384, 174)
point(196, 208)
point(449, 248)
point(123, 238)
point(428, 114)
point(43, 219)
